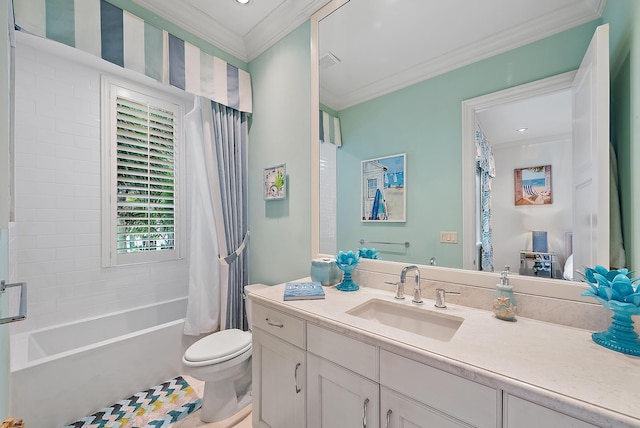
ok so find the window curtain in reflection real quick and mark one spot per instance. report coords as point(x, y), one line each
point(484, 159)
point(330, 129)
point(225, 133)
point(203, 308)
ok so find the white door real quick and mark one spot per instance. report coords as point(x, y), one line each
point(338, 397)
point(591, 156)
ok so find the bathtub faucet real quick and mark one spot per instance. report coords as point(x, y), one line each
point(417, 294)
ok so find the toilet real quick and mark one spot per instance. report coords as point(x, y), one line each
point(223, 361)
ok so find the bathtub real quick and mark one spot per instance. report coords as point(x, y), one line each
point(63, 373)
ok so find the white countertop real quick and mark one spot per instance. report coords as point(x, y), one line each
point(557, 366)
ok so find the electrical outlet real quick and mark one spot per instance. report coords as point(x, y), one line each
point(449, 237)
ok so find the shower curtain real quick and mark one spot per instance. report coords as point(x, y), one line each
point(225, 131)
point(217, 170)
point(203, 308)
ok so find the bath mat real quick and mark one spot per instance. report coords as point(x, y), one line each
point(156, 407)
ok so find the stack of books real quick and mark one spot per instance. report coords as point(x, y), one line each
point(303, 291)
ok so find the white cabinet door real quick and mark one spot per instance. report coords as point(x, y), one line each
point(338, 397)
point(520, 413)
point(278, 382)
point(398, 411)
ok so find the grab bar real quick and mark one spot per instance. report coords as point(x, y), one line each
point(22, 311)
point(405, 243)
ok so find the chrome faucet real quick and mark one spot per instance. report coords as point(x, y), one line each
point(417, 294)
point(399, 289)
point(440, 300)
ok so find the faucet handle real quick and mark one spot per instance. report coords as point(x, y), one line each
point(440, 297)
point(399, 289)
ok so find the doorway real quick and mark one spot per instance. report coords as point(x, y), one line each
point(480, 109)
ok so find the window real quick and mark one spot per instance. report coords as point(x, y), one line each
point(142, 198)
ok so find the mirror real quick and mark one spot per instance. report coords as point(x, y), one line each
point(378, 122)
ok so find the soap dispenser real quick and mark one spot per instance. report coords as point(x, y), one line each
point(504, 303)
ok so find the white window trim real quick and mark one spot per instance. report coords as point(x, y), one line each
point(110, 89)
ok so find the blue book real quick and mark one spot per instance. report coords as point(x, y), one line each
point(303, 291)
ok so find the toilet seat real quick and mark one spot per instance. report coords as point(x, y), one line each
point(218, 347)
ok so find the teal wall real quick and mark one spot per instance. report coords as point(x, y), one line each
point(280, 243)
point(425, 121)
point(623, 17)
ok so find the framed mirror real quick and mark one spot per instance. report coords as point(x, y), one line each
point(429, 96)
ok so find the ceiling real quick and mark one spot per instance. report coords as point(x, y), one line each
point(544, 117)
point(385, 45)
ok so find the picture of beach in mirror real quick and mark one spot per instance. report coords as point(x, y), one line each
point(533, 185)
point(384, 189)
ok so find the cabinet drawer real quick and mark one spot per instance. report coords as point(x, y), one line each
point(284, 326)
point(463, 399)
point(350, 353)
point(521, 413)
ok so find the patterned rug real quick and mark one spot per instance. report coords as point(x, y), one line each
point(156, 407)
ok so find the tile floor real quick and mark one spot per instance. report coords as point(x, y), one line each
point(240, 420)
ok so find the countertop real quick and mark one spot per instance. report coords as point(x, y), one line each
point(556, 366)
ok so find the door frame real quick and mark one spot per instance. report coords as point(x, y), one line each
point(549, 85)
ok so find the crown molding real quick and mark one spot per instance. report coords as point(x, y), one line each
point(280, 22)
point(519, 36)
point(558, 138)
point(284, 19)
point(195, 22)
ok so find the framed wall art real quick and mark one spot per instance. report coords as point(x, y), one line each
point(275, 182)
point(384, 189)
point(533, 185)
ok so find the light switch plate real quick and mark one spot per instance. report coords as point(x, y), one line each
point(449, 237)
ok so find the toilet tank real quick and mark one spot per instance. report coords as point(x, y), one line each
point(248, 289)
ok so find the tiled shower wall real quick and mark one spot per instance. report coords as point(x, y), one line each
point(57, 188)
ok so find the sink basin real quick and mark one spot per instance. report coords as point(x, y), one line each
point(416, 320)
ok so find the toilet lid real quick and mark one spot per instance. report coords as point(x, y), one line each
point(219, 347)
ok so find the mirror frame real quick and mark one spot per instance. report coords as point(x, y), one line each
point(542, 287)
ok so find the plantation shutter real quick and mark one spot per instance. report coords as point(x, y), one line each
point(145, 176)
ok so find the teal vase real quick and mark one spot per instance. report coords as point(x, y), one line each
point(347, 283)
point(621, 335)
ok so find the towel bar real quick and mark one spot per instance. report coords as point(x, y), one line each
point(405, 243)
point(22, 311)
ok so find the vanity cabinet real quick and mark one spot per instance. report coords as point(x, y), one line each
point(397, 410)
point(342, 387)
point(278, 369)
point(347, 377)
point(337, 397)
point(520, 413)
point(434, 395)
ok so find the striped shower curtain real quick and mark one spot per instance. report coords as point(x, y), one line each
point(226, 130)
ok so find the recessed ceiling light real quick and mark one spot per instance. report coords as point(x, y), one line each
point(243, 2)
point(522, 129)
